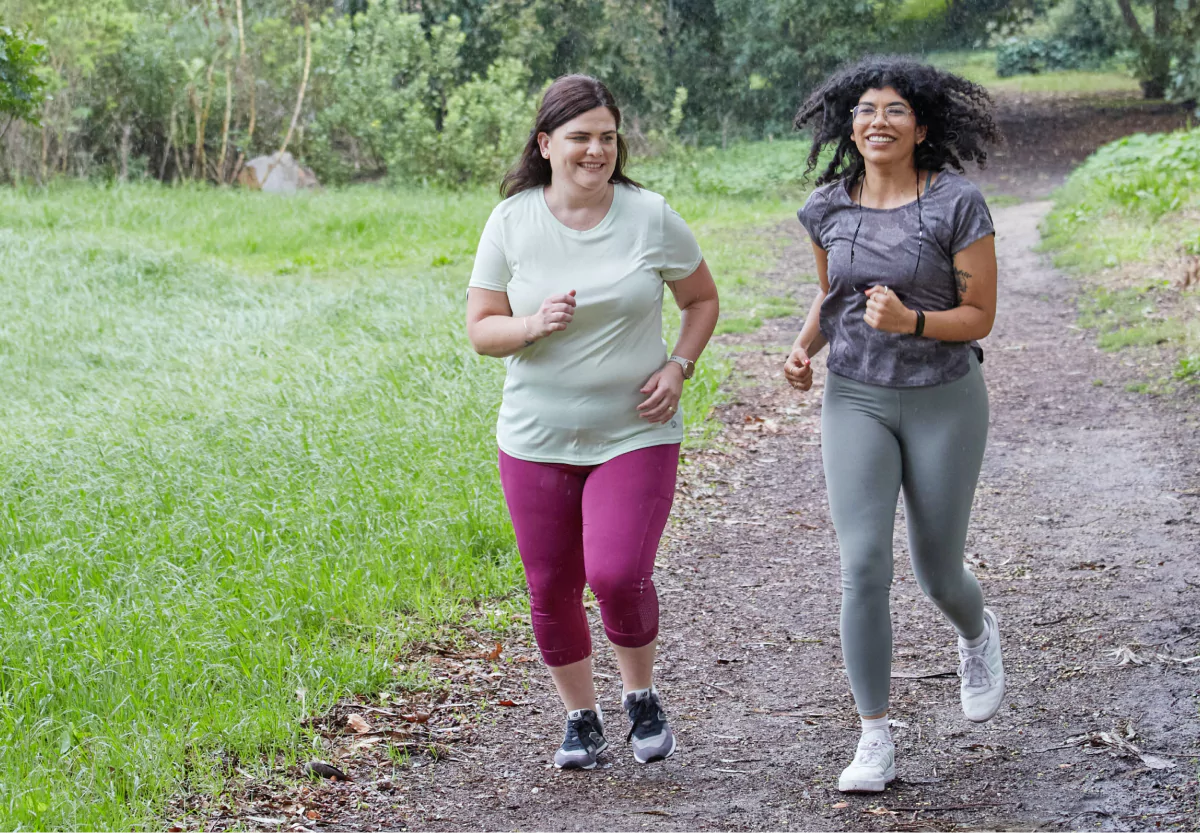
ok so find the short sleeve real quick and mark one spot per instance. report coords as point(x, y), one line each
point(812, 216)
point(491, 270)
point(680, 255)
point(972, 220)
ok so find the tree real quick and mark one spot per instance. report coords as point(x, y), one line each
point(1171, 40)
point(21, 88)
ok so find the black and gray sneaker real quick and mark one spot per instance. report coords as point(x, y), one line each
point(584, 741)
point(649, 733)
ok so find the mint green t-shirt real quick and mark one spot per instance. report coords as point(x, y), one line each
point(572, 397)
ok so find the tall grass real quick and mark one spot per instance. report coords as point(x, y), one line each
point(244, 448)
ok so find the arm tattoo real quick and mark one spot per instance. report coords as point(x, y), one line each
point(961, 276)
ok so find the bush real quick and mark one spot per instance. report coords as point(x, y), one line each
point(1147, 174)
point(20, 85)
point(1088, 36)
point(487, 122)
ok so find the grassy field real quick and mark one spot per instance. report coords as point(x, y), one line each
point(979, 65)
point(245, 453)
point(1128, 219)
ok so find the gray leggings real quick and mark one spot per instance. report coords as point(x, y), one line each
point(875, 441)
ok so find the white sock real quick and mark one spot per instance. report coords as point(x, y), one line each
point(977, 641)
point(876, 724)
point(638, 692)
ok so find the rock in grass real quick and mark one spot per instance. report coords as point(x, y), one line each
point(319, 769)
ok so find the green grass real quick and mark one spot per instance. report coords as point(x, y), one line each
point(980, 66)
point(245, 453)
point(1132, 207)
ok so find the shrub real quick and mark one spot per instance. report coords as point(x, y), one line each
point(487, 122)
point(1148, 174)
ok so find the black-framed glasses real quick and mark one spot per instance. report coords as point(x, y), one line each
point(898, 113)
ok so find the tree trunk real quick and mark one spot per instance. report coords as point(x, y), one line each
point(203, 127)
point(1154, 56)
point(126, 141)
point(299, 97)
point(225, 125)
point(179, 169)
point(162, 168)
point(42, 171)
point(243, 71)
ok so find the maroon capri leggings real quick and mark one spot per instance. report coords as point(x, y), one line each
point(598, 525)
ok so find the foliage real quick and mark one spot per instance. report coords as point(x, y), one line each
point(1149, 175)
point(486, 124)
point(188, 90)
point(1134, 202)
point(21, 87)
point(1089, 35)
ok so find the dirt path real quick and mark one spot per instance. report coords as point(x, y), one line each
point(1086, 539)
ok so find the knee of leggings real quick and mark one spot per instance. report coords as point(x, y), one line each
point(941, 586)
point(550, 595)
point(867, 575)
point(619, 587)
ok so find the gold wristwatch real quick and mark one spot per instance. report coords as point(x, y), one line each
point(689, 366)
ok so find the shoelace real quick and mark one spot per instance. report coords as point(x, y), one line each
point(577, 731)
point(871, 752)
point(643, 713)
point(974, 670)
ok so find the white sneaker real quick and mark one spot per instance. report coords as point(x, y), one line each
point(874, 765)
point(982, 672)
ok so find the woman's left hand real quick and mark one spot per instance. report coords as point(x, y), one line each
point(885, 312)
point(664, 389)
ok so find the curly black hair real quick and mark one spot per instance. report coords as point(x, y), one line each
point(956, 113)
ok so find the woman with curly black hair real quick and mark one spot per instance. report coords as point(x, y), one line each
point(906, 259)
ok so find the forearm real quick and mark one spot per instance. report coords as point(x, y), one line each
point(963, 323)
point(697, 322)
point(811, 340)
point(500, 335)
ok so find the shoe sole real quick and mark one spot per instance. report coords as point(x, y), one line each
point(659, 757)
point(865, 785)
point(573, 765)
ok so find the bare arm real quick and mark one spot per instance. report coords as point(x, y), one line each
point(975, 274)
point(810, 341)
point(494, 331)
point(696, 296)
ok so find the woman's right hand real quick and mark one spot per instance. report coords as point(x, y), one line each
point(555, 314)
point(798, 369)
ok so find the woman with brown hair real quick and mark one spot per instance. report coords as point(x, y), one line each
point(567, 288)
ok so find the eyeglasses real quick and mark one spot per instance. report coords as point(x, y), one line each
point(898, 113)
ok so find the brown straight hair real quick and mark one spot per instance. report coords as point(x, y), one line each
point(568, 97)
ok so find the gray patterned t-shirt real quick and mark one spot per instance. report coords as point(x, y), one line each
point(953, 215)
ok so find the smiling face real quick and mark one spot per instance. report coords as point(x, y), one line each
point(583, 151)
point(886, 138)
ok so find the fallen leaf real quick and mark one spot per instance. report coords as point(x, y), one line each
point(259, 820)
point(358, 723)
point(365, 742)
point(319, 769)
point(418, 717)
point(312, 814)
point(880, 811)
point(505, 703)
point(841, 805)
point(494, 654)
point(1155, 762)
